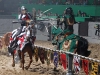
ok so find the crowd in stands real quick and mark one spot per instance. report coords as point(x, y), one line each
point(79, 13)
point(59, 2)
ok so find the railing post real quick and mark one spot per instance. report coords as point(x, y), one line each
point(70, 59)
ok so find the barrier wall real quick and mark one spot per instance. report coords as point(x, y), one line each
point(7, 26)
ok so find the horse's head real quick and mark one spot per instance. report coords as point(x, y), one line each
point(56, 34)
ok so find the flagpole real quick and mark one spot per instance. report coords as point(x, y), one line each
point(70, 59)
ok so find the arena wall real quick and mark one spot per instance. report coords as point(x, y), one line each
point(6, 25)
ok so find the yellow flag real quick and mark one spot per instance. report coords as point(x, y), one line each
point(94, 68)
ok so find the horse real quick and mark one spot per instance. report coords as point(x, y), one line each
point(81, 43)
point(27, 48)
point(4, 40)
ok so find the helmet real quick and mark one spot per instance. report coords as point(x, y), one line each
point(23, 8)
point(69, 10)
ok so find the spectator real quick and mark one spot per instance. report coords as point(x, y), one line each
point(84, 14)
point(85, 2)
point(38, 12)
point(79, 13)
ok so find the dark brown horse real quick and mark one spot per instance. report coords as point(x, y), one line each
point(28, 49)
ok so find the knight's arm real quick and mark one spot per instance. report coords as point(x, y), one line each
point(62, 21)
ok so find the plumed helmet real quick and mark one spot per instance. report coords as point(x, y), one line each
point(23, 8)
point(69, 10)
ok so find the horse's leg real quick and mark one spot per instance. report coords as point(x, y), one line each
point(19, 54)
point(13, 64)
point(22, 60)
point(30, 55)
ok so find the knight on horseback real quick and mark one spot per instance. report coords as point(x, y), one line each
point(27, 25)
point(23, 17)
point(68, 19)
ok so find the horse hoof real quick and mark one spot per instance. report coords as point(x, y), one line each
point(26, 67)
point(23, 68)
point(13, 65)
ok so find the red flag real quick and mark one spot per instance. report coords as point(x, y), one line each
point(63, 60)
point(85, 66)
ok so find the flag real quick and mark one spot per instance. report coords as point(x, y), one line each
point(98, 69)
point(55, 60)
point(63, 60)
point(51, 55)
point(76, 62)
point(59, 58)
point(41, 55)
point(36, 53)
point(45, 54)
point(48, 57)
point(85, 66)
point(94, 68)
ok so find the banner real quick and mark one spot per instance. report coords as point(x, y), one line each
point(51, 56)
point(48, 57)
point(85, 66)
point(98, 69)
point(76, 61)
point(56, 59)
point(63, 60)
point(94, 68)
point(41, 55)
point(36, 53)
point(45, 54)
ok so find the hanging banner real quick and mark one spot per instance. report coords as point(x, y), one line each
point(98, 69)
point(59, 58)
point(85, 66)
point(56, 59)
point(76, 62)
point(45, 54)
point(51, 56)
point(48, 57)
point(63, 60)
point(41, 55)
point(36, 54)
point(94, 68)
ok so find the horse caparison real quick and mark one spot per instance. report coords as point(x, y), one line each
point(28, 49)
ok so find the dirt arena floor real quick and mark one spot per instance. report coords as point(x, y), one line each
point(37, 68)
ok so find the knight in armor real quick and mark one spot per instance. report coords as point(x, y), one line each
point(68, 19)
point(23, 17)
point(26, 20)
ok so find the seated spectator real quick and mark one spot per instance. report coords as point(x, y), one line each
point(84, 14)
point(67, 2)
point(85, 2)
point(79, 13)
